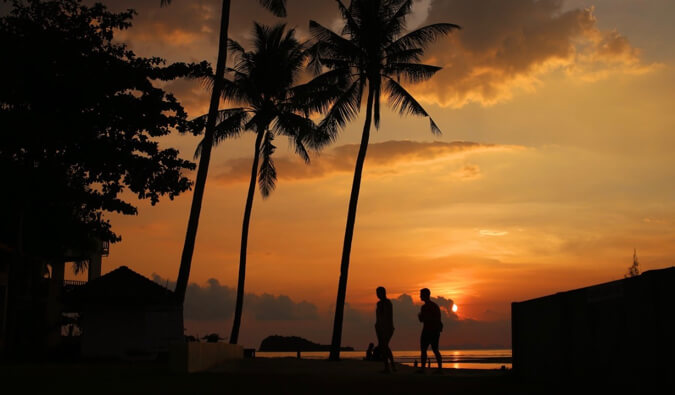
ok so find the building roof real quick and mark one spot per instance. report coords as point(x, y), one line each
point(614, 289)
point(121, 287)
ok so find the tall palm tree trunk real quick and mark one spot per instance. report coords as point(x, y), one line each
point(234, 336)
point(349, 233)
point(200, 183)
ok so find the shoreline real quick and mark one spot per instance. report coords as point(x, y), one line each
point(471, 359)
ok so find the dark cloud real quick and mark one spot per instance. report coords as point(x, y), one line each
point(504, 45)
point(187, 30)
point(210, 307)
point(214, 301)
point(267, 307)
point(341, 159)
point(192, 94)
point(195, 23)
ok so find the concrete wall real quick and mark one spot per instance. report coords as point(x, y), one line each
point(195, 357)
point(129, 333)
point(624, 329)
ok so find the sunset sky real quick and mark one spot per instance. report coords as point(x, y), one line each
point(554, 164)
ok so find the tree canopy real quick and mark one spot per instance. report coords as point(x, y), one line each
point(371, 53)
point(263, 83)
point(80, 117)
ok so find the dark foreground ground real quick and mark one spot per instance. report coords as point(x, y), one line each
point(273, 376)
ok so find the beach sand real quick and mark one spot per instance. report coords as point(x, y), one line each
point(289, 375)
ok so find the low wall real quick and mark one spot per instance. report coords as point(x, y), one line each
point(195, 357)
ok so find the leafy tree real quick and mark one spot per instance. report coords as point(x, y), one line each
point(634, 269)
point(80, 118)
point(278, 8)
point(263, 82)
point(372, 56)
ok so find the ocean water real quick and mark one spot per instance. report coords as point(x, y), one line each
point(454, 359)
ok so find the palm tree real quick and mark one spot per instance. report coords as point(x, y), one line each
point(371, 54)
point(263, 84)
point(278, 8)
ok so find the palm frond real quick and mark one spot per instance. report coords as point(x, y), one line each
point(434, 128)
point(405, 103)
point(237, 73)
point(277, 7)
point(333, 63)
point(351, 25)
point(300, 149)
point(267, 174)
point(314, 54)
point(412, 72)
point(421, 37)
point(231, 123)
point(303, 131)
point(402, 101)
point(333, 45)
point(377, 91)
point(235, 47)
point(405, 56)
point(344, 109)
point(318, 94)
point(396, 22)
point(235, 92)
point(199, 123)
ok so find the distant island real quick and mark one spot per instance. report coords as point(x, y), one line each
point(294, 343)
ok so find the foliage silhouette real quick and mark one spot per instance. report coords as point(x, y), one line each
point(370, 55)
point(212, 338)
point(80, 117)
point(263, 84)
point(634, 269)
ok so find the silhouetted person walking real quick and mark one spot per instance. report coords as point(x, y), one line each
point(384, 327)
point(430, 316)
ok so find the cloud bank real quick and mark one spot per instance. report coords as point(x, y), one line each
point(505, 46)
point(214, 301)
point(387, 157)
point(210, 307)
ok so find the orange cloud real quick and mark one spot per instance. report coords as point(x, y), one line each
point(505, 46)
point(192, 95)
point(180, 24)
point(200, 20)
point(381, 157)
point(468, 172)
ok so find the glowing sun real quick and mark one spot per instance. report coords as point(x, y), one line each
point(454, 308)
